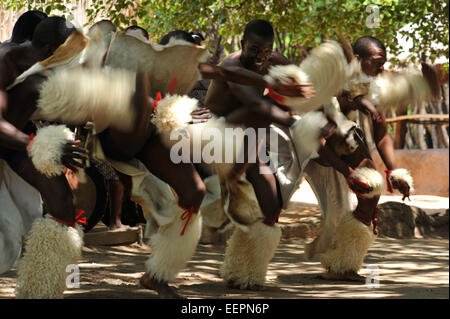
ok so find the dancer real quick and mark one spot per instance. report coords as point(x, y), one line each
point(346, 233)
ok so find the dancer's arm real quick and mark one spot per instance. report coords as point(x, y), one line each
point(243, 76)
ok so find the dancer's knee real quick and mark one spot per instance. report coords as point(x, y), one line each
point(193, 195)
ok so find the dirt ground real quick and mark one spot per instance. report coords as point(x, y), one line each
point(407, 268)
point(415, 268)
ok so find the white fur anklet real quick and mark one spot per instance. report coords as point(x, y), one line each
point(349, 246)
point(170, 250)
point(248, 255)
point(50, 248)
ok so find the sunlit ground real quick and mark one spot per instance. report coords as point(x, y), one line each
point(415, 268)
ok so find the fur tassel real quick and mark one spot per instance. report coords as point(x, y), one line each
point(372, 178)
point(50, 248)
point(248, 255)
point(306, 134)
point(402, 174)
point(326, 68)
point(170, 251)
point(173, 113)
point(76, 96)
point(350, 244)
point(46, 149)
point(391, 90)
point(216, 143)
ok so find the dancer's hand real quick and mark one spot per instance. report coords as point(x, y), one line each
point(295, 89)
point(200, 115)
point(368, 108)
point(72, 154)
point(402, 186)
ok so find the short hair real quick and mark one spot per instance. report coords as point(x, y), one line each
point(136, 27)
point(362, 45)
point(259, 27)
point(52, 31)
point(177, 34)
point(25, 26)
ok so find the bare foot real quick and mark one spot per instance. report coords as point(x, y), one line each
point(118, 226)
point(163, 289)
point(347, 276)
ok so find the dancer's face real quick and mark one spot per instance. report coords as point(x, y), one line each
point(256, 52)
point(373, 64)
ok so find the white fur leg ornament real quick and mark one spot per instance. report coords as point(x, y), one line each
point(248, 255)
point(47, 148)
point(78, 95)
point(370, 177)
point(173, 113)
point(170, 249)
point(326, 68)
point(50, 248)
point(401, 174)
point(350, 244)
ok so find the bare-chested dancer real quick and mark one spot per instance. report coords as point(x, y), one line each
point(241, 104)
point(343, 261)
point(145, 145)
point(54, 241)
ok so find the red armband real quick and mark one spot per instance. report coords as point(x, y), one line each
point(275, 96)
point(158, 98)
point(30, 141)
point(350, 178)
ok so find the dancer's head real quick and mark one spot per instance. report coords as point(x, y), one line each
point(25, 26)
point(257, 44)
point(372, 54)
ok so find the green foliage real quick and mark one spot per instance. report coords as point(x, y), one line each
point(299, 24)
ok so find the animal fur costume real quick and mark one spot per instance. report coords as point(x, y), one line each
point(50, 246)
point(253, 243)
point(326, 67)
point(177, 61)
point(165, 219)
point(390, 90)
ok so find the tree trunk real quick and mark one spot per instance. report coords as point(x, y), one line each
point(419, 129)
